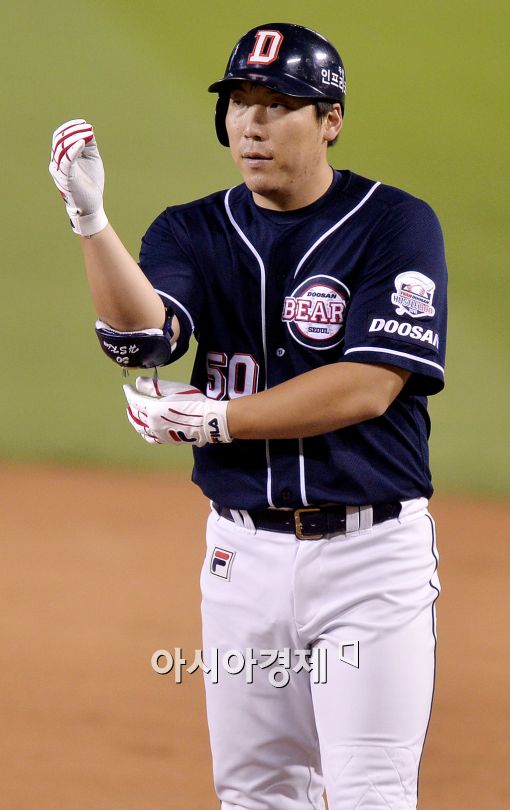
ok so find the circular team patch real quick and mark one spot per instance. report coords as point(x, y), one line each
point(315, 312)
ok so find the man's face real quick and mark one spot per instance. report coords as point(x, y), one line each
point(278, 144)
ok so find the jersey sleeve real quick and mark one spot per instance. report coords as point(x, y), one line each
point(397, 313)
point(168, 261)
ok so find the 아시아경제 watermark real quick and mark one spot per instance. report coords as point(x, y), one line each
point(280, 664)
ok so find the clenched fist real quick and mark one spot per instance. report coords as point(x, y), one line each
point(77, 169)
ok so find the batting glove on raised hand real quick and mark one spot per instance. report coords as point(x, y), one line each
point(175, 413)
point(77, 169)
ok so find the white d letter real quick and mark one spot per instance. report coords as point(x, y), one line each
point(265, 50)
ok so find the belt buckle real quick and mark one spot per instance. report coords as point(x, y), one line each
point(298, 527)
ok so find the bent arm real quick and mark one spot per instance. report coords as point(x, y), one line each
point(321, 400)
point(123, 297)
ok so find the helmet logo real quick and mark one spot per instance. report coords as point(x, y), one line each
point(266, 47)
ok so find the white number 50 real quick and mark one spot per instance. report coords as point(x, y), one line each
point(238, 376)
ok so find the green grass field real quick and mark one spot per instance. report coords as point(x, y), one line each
point(425, 111)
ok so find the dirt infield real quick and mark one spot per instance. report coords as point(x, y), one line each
point(100, 569)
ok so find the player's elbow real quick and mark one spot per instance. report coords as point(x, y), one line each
point(374, 399)
point(384, 395)
point(377, 407)
point(367, 406)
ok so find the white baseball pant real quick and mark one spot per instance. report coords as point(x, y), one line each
point(365, 594)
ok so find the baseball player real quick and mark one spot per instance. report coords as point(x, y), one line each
point(318, 301)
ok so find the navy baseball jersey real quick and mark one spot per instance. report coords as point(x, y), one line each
point(358, 276)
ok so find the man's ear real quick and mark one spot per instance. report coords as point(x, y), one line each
point(333, 123)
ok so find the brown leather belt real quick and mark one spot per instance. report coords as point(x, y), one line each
point(310, 522)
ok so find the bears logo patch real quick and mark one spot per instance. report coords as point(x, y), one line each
point(221, 562)
point(315, 312)
point(414, 294)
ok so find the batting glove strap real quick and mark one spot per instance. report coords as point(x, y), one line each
point(215, 423)
point(89, 224)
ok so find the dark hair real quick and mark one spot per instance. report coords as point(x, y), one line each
point(322, 108)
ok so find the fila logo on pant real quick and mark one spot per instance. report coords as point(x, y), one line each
point(221, 562)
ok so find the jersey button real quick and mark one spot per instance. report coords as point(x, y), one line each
point(280, 352)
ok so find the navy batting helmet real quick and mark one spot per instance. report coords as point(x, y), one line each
point(284, 57)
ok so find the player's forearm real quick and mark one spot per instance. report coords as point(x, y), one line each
point(319, 401)
point(122, 295)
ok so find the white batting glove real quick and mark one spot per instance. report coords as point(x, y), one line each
point(175, 413)
point(77, 169)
